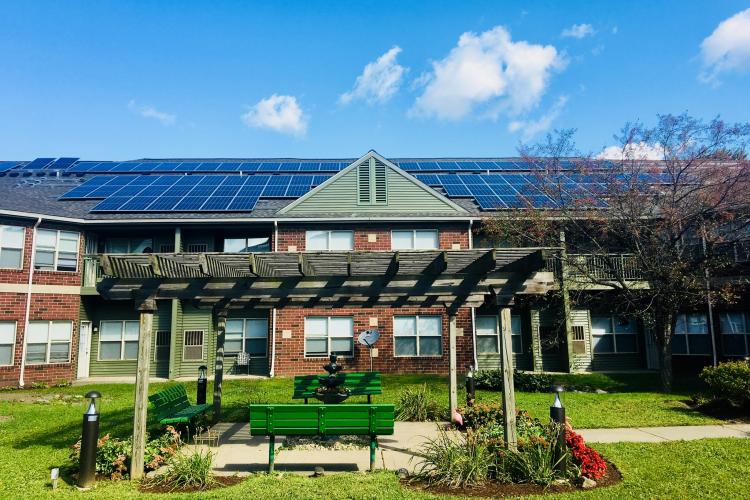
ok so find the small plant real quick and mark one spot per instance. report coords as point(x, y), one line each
point(39, 385)
point(729, 383)
point(62, 383)
point(416, 405)
point(592, 465)
point(455, 461)
point(187, 472)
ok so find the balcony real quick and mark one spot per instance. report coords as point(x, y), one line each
point(597, 267)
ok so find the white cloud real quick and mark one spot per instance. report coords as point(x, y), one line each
point(578, 31)
point(379, 81)
point(487, 70)
point(531, 128)
point(166, 119)
point(635, 151)
point(727, 48)
point(280, 113)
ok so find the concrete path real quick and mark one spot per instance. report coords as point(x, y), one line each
point(240, 453)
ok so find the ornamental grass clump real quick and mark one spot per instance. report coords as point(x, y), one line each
point(185, 471)
point(415, 404)
point(455, 461)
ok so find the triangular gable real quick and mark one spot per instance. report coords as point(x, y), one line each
point(372, 184)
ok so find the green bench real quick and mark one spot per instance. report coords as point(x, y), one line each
point(171, 406)
point(321, 420)
point(360, 384)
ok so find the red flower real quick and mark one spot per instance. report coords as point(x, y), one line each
point(592, 464)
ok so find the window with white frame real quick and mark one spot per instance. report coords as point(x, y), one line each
point(326, 335)
point(7, 342)
point(11, 247)
point(329, 240)
point(247, 334)
point(416, 239)
point(56, 250)
point(735, 333)
point(488, 334)
point(48, 342)
point(118, 340)
point(128, 245)
point(417, 336)
point(192, 345)
point(614, 334)
point(260, 244)
point(691, 335)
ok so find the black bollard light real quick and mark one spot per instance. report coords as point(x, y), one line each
point(202, 385)
point(89, 439)
point(557, 414)
point(470, 387)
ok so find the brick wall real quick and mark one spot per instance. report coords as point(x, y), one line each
point(43, 307)
point(290, 353)
point(375, 237)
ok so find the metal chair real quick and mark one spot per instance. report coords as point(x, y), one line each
point(242, 360)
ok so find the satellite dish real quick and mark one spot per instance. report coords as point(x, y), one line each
point(368, 337)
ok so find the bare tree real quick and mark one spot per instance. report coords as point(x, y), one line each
point(671, 220)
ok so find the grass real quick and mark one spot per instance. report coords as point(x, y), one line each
point(35, 437)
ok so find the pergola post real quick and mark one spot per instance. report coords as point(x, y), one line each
point(506, 366)
point(140, 411)
point(221, 326)
point(452, 375)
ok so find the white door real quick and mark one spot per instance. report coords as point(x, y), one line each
point(84, 349)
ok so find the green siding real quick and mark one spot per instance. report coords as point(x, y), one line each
point(194, 319)
point(97, 311)
point(404, 195)
point(582, 361)
point(521, 361)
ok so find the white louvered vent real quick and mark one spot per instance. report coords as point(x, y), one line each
point(380, 188)
point(363, 183)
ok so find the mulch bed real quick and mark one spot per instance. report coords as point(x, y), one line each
point(497, 490)
point(221, 482)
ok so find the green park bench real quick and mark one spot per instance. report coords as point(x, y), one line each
point(321, 420)
point(171, 406)
point(360, 384)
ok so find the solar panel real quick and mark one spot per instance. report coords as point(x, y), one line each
point(7, 165)
point(39, 163)
point(62, 163)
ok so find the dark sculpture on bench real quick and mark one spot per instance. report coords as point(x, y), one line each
point(330, 389)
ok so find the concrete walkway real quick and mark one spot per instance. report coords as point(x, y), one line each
point(240, 453)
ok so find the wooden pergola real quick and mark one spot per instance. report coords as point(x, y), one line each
point(421, 278)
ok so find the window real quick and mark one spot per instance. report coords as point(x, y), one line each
point(691, 335)
point(243, 245)
point(329, 240)
point(7, 342)
point(129, 245)
point(417, 336)
point(419, 239)
point(56, 250)
point(249, 335)
point(735, 333)
point(161, 346)
point(193, 345)
point(48, 342)
point(488, 334)
point(613, 334)
point(118, 340)
point(11, 246)
point(329, 335)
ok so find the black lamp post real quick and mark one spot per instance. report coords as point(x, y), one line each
point(557, 414)
point(89, 439)
point(202, 385)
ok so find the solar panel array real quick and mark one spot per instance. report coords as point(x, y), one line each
point(208, 167)
point(188, 193)
point(7, 165)
point(38, 164)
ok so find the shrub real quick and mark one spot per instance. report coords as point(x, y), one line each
point(455, 461)
point(417, 405)
point(592, 465)
point(533, 462)
point(187, 471)
point(113, 454)
point(522, 381)
point(729, 382)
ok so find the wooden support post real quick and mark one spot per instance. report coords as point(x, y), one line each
point(453, 382)
point(566, 308)
point(221, 326)
point(506, 366)
point(140, 411)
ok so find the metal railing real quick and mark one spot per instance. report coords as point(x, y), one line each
point(596, 267)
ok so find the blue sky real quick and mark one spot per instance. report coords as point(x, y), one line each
point(122, 80)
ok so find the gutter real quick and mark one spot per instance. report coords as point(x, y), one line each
point(273, 343)
point(28, 303)
point(473, 310)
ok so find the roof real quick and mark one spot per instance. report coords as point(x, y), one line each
point(241, 188)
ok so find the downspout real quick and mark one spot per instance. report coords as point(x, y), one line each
point(275, 236)
point(473, 310)
point(28, 302)
point(273, 343)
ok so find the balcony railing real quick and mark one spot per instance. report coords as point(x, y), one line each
point(92, 271)
point(597, 267)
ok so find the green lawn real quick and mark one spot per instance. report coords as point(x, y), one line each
point(34, 436)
